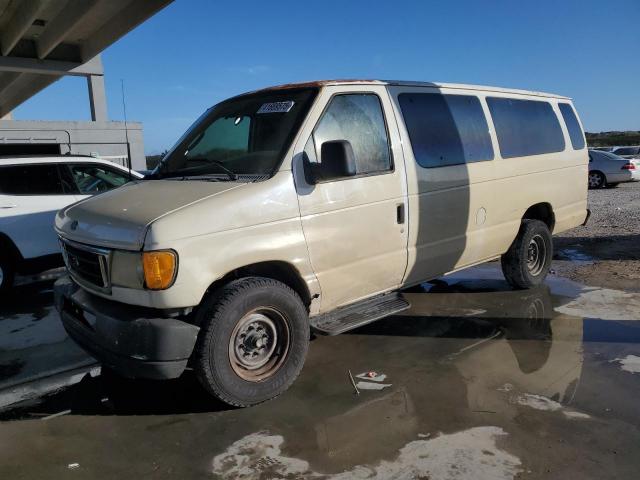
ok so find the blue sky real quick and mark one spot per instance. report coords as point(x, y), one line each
point(195, 53)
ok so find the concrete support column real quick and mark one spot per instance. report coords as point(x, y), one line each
point(97, 98)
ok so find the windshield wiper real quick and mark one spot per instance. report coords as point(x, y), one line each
point(232, 175)
point(202, 178)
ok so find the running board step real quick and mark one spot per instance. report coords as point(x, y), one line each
point(358, 314)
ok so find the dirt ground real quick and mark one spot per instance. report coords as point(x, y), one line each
point(605, 252)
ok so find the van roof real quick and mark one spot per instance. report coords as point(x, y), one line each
point(321, 83)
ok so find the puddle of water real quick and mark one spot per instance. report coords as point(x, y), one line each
point(469, 454)
point(575, 256)
point(464, 356)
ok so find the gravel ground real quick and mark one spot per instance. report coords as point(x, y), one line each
point(605, 252)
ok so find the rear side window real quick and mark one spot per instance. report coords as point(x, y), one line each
point(92, 179)
point(31, 180)
point(446, 129)
point(627, 151)
point(359, 119)
point(571, 121)
point(525, 127)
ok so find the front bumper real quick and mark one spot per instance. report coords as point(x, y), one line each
point(132, 340)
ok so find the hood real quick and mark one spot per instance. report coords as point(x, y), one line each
point(120, 218)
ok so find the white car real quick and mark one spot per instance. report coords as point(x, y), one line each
point(32, 190)
point(608, 169)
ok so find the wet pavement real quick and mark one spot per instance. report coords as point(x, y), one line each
point(480, 382)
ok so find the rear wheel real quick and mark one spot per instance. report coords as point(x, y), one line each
point(7, 272)
point(597, 180)
point(528, 259)
point(253, 341)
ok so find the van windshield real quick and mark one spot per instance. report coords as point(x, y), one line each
point(246, 135)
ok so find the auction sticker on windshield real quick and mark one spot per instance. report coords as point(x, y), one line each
point(276, 107)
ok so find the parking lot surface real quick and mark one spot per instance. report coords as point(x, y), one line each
point(479, 382)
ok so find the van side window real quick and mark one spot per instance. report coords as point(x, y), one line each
point(446, 129)
point(525, 127)
point(359, 119)
point(571, 121)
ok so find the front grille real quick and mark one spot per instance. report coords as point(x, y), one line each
point(88, 265)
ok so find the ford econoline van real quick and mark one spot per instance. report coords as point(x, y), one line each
point(309, 207)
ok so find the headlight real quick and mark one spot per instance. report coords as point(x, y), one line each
point(154, 270)
point(159, 268)
point(126, 270)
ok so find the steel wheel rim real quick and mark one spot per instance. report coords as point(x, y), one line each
point(1, 276)
point(536, 254)
point(259, 344)
point(595, 180)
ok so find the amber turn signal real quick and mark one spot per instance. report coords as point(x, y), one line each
point(159, 269)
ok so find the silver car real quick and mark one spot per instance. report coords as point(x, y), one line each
point(627, 152)
point(608, 170)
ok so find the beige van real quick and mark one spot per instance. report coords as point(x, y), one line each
point(309, 207)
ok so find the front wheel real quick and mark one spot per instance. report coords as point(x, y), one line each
point(254, 337)
point(528, 259)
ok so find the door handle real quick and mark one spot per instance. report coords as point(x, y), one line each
point(400, 213)
point(8, 206)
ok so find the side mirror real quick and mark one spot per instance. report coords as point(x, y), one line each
point(336, 161)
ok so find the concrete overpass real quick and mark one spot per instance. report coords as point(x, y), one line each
point(44, 40)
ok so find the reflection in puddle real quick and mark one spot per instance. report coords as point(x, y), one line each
point(605, 304)
point(469, 454)
point(630, 363)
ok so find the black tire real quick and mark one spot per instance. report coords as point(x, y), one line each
point(277, 315)
point(528, 259)
point(596, 180)
point(7, 272)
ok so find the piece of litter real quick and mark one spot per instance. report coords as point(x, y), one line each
point(371, 386)
point(377, 377)
point(424, 435)
point(353, 382)
point(73, 466)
